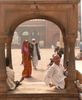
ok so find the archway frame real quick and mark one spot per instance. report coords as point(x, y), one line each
point(63, 13)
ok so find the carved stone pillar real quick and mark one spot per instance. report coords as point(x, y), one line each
point(72, 61)
point(71, 66)
point(8, 47)
point(66, 52)
point(3, 84)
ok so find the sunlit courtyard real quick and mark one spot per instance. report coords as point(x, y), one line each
point(37, 75)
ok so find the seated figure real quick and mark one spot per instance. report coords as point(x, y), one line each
point(10, 77)
point(55, 74)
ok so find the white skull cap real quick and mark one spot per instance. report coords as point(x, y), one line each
point(33, 39)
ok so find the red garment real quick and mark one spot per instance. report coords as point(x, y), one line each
point(26, 60)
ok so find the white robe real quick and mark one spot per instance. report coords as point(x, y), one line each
point(55, 76)
point(35, 57)
point(10, 78)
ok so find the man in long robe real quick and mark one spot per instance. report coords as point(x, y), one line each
point(35, 53)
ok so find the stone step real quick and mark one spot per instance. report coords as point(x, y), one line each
point(38, 91)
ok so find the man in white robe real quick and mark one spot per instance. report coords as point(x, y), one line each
point(35, 53)
point(10, 77)
point(55, 74)
point(35, 57)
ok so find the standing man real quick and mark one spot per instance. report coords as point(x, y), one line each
point(35, 53)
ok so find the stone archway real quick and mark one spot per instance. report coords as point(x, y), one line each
point(62, 12)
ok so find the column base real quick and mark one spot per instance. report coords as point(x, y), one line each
point(3, 87)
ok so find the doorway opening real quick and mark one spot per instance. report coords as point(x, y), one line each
point(47, 34)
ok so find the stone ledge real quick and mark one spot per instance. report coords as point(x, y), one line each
point(42, 1)
point(43, 96)
point(39, 91)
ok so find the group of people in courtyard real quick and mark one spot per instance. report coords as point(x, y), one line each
point(56, 73)
point(30, 57)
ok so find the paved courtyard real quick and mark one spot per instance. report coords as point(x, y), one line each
point(29, 85)
point(37, 75)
